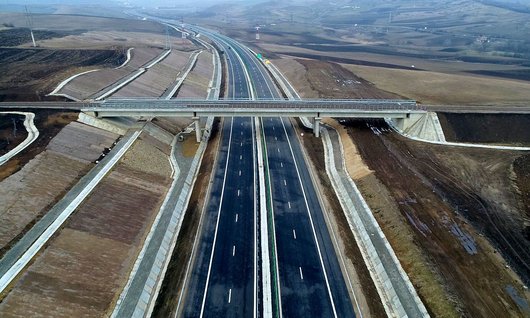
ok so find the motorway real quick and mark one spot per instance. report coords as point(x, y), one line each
point(306, 272)
point(224, 280)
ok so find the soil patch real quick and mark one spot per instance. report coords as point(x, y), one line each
point(189, 146)
point(441, 88)
point(486, 128)
point(86, 265)
point(12, 132)
point(30, 74)
point(28, 194)
point(331, 80)
point(49, 123)
point(521, 167)
point(18, 36)
point(438, 191)
point(345, 60)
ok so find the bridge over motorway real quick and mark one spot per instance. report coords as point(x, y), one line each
point(400, 110)
point(313, 108)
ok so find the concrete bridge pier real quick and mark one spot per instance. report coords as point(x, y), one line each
point(197, 122)
point(316, 126)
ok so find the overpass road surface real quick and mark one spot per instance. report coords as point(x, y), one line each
point(309, 280)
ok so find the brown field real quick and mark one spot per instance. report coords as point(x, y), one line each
point(73, 44)
point(87, 85)
point(106, 39)
point(427, 215)
point(84, 268)
point(439, 88)
point(385, 59)
point(196, 83)
point(49, 123)
point(157, 79)
point(79, 22)
point(12, 132)
point(29, 193)
point(30, 74)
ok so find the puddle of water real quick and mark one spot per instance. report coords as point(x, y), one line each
point(465, 239)
point(520, 301)
point(419, 225)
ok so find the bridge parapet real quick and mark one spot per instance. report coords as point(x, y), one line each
point(353, 104)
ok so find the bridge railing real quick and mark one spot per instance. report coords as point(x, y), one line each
point(346, 104)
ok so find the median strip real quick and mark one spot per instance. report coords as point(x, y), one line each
point(269, 218)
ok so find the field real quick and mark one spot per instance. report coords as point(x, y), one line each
point(12, 132)
point(196, 83)
point(88, 85)
point(49, 123)
point(71, 44)
point(158, 78)
point(28, 194)
point(30, 74)
point(61, 22)
point(431, 219)
point(84, 268)
point(439, 88)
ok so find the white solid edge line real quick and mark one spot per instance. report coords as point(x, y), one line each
point(217, 222)
point(312, 224)
point(254, 164)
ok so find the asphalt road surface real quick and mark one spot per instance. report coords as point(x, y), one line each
point(225, 281)
point(310, 278)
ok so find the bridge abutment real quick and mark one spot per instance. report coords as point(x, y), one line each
point(197, 122)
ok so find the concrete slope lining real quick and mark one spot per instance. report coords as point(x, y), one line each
point(33, 134)
point(168, 94)
point(128, 58)
point(55, 92)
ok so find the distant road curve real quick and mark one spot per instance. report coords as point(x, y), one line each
point(33, 133)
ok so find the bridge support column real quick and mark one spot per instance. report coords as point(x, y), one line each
point(316, 126)
point(197, 121)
